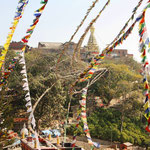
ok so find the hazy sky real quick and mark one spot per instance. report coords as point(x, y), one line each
point(61, 17)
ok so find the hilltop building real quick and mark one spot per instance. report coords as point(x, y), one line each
point(50, 45)
point(118, 53)
point(17, 46)
point(57, 47)
point(87, 52)
point(92, 48)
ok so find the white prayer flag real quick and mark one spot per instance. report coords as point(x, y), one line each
point(31, 116)
point(24, 67)
point(25, 79)
point(25, 75)
point(23, 71)
point(25, 84)
point(28, 104)
point(22, 62)
point(26, 89)
point(33, 122)
point(29, 109)
point(28, 98)
point(28, 94)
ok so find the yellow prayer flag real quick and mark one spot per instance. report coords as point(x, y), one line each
point(32, 27)
point(15, 22)
point(2, 57)
point(146, 82)
point(5, 47)
point(3, 52)
point(146, 105)
point(144, 9)
point(149, 45)
point(95, 67)
point(23, 49)
point(147, 116)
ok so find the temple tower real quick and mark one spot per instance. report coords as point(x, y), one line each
point(92, 46)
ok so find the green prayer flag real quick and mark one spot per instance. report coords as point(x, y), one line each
point(43, 1)
point(144, 58)
point(30, 32)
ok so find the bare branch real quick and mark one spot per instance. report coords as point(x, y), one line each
point(97, 77)
point(35, 105)
point(94, 80)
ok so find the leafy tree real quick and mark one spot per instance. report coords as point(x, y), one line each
point(107, 86)
point(41, 69)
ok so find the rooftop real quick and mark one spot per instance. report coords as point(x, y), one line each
point(128, 144)
point(50, 45)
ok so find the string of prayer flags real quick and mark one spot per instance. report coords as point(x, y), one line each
point(18, 14)
point(25, 81)
point(73, 144)
point(143, 46)
point(24, 72)
point(83, 117)
point(88, 12)
point(90, 72)
point(126, 24)
point(27, 96)
point(120, 41)
point(37, 15)
point(7, 72)
point(22, 61)
point(25, 40)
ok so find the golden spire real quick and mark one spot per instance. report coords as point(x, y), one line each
point(92, 30)
point(92, 43)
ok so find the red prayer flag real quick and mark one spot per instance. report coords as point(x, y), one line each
point(147, 129)
point(24, 40)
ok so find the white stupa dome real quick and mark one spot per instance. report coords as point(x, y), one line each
point(24, 130)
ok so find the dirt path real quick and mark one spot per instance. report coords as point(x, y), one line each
point(82, 142)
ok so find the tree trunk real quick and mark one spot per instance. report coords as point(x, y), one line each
point(35, 105)
point(122, 120)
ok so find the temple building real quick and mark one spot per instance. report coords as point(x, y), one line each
point(87, 52)
point(119, 53)
point(50, 45)
point(92, 48)
point(92, 45)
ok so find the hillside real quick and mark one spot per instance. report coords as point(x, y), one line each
point(121, 82)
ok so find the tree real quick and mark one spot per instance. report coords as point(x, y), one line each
point(107, 86)
point(41, 76)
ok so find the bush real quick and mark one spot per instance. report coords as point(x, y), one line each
point(72, 130)
point(124, 137)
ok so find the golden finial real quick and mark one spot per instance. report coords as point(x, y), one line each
point(92, 29)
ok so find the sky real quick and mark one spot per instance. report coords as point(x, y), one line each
point(61, 17)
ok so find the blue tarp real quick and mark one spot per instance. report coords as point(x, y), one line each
point(53, 132)
point(56, 132)
point(47, 132)
point(16, 142)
